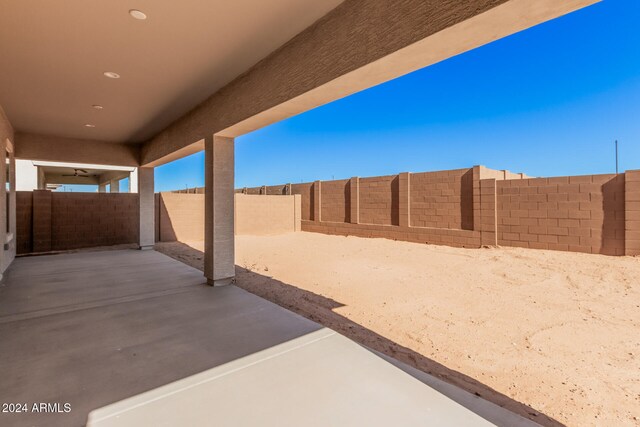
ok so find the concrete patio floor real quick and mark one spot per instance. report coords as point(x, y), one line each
point(93, 328)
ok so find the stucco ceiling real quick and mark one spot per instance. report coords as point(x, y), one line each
point(53, 55)
point(81, 170)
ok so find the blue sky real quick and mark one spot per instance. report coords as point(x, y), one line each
point(548, 101)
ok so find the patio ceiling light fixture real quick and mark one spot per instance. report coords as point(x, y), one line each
point(89, 125)
point(97, 107)
point(137, 14)
point(111, 75)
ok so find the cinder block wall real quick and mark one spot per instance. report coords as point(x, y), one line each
point(80, 220)
point(442, 199)
point(335, 201)
point(305, 190)
point(181, 216)
point(430, 207)
point(49, 221)
point(571, 213)
point(267, 215)
point(275, 190)
point(24, 222)
point(632, 212)
point(379, 199)
point(480, 206)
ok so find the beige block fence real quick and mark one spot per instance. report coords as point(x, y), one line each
point(477, 207)
point(180, 216)
point(52, 221)
point(470, 207)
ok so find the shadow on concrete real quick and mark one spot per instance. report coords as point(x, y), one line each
point(320, 310)
point(92, 328)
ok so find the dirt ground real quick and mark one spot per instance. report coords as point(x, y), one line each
point(553, 336)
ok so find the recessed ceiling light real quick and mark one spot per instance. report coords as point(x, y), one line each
point(89, 125)
point(97, 106)
point(111, 75)
point(137, 14)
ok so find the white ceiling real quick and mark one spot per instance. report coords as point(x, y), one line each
point(53, 55)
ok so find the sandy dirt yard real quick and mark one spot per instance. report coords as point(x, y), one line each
point(553, 336)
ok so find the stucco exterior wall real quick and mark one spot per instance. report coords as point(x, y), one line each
point(7, 245)
point(69, 150)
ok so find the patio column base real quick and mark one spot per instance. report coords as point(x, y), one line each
point(145, 248)
point(221, 282)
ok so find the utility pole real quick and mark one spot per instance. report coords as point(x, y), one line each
point(616, 157)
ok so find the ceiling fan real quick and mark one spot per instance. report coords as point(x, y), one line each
point(76, 173)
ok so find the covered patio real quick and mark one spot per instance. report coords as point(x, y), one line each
point(92, 328)
point(118, 87)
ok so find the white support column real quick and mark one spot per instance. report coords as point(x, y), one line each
point(42, 183)
point(147, 208)
point(219, 257)
point(102, 188)
point(133, 181)
point(114, 186)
